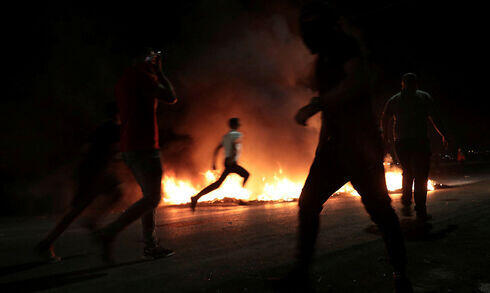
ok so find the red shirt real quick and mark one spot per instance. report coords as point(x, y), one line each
point(137, 108)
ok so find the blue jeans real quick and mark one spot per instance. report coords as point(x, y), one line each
point(147, 170)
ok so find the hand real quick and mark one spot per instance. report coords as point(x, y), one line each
point(159, 64)
point(445, 143)
point(301, 117)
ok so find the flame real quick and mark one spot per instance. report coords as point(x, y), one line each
point(277, 187)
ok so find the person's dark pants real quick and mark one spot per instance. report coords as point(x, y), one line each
point(91, 184)
point(147, 170)
point(414, 156)
point(327, 174)
point(230, 167)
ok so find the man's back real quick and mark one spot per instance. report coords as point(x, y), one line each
point(229, 140)
point(411, 111)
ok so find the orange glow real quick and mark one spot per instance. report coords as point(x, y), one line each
point(276, 187)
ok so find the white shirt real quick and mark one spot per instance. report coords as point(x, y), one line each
point(228, 140)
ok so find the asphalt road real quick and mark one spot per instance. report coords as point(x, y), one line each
point(238, 248)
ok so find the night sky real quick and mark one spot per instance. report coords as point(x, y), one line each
point(62, 60)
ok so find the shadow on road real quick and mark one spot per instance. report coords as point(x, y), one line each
point(414, 230)
point(7, 270)
point(57, 280)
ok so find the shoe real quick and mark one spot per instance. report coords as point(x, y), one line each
point(155, 252)
point(107, 244)
point(406, 211)
point(46, 252)
point(402, 284)
point(193, 203)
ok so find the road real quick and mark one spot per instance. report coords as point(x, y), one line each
point(236, 248)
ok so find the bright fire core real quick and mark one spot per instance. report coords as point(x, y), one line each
point(278, 187)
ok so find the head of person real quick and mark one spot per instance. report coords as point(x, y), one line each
point(154, 56)
point(234, 123)
point(150, 58)
point(409, 82)
point(326, 27)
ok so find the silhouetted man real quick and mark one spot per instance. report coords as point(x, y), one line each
point(350, 147)
point(95, 176)
point(411, 109)
point(231, 142)
point(138, 92)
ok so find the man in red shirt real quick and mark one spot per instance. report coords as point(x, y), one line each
point(137, 93)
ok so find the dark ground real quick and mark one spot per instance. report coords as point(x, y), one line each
point(240, 248)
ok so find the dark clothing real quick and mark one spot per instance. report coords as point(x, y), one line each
point(137, 93)
point(95, 176)
point(349, 149)
point(137, 103)
point(328, 173)
point(414, 156)
point(231, 166)
point(411, 110)
point(147, 170)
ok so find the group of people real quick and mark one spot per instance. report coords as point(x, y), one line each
point(350, 148)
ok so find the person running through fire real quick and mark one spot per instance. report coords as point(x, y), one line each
point(231, 142)
point(410, 109)
point(349, 147)
point(137, 93)
point(95, 176)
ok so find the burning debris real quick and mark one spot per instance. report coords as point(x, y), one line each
point(277, 187)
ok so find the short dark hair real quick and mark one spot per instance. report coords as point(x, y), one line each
point(234, 122)
point(410, 79)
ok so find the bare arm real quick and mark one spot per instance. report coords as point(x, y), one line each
point(307, 111)
point(436, 121)
point(215, 154)
point(386, 118)
point(166, 91)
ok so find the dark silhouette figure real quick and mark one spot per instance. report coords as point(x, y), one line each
point(95, 176)
point(350, 146)
point(410, 110)
point(137, 93)
point(231, 142)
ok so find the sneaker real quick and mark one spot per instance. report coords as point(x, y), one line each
point(106, 244)
point(155, 252)
point(402, 284)
point(193, 203)
point(406, 211)
point(46, 252)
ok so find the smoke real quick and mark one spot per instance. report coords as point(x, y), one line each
point(249, 65)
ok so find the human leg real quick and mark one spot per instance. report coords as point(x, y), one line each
point(422, 166)
point(371, 186)
point(147, 170)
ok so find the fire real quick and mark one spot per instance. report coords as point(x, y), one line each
point(277, 187)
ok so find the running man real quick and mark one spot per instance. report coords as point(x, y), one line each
point(231, 143)
point(350, 147)
point(137, 93)
point(410, 109)
point(95, 176)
